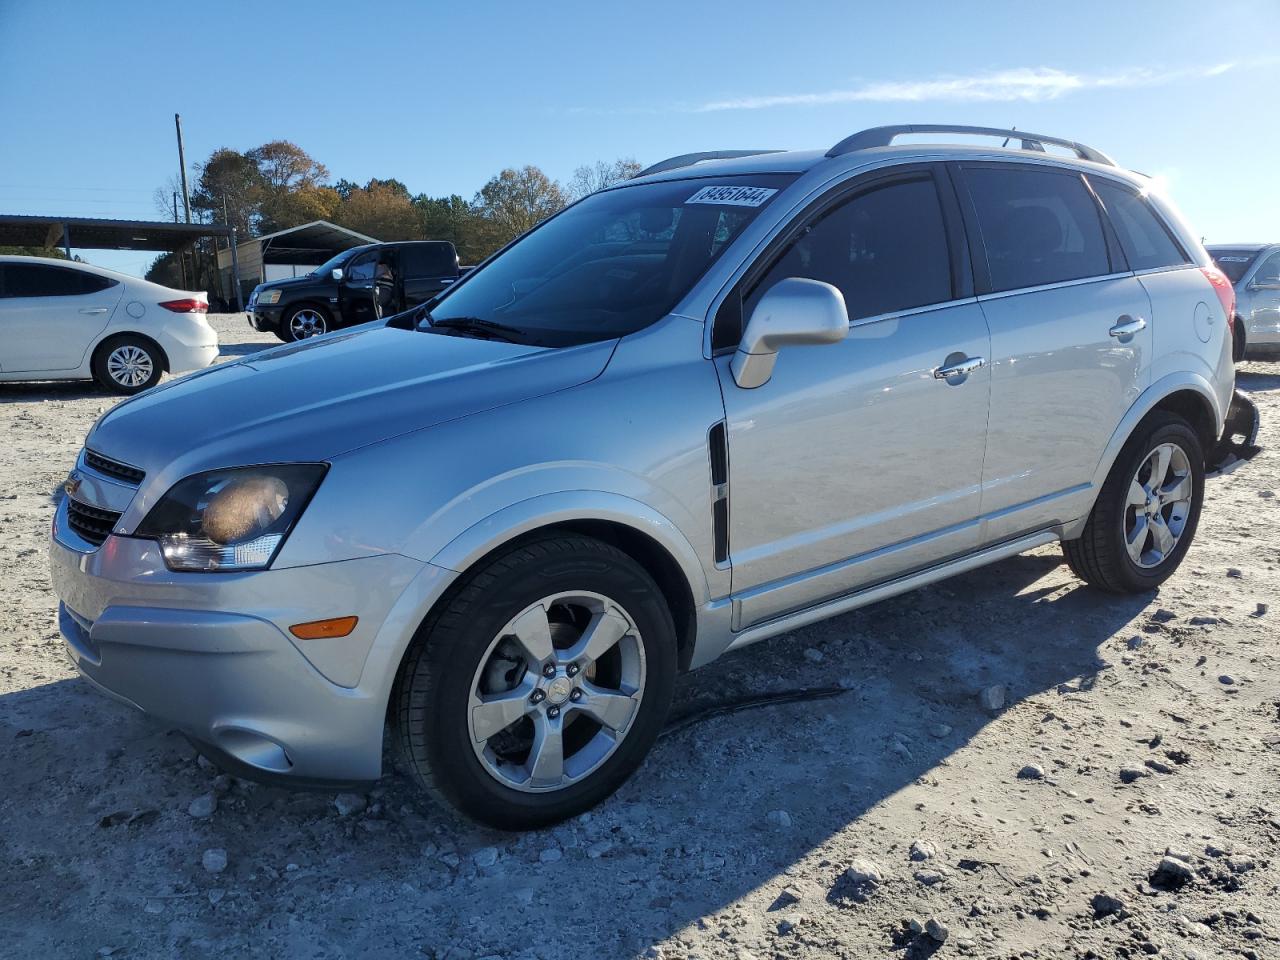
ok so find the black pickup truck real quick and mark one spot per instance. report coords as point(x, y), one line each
point(358, 285)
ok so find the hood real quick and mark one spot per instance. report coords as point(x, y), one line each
point(313, 400)
point(290, 282)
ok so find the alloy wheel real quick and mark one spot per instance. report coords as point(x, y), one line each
point(1158, 505)
point(130, 366)
point(556, 692)
point(307, 323)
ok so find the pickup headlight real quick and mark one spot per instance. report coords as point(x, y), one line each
point(269, 297)
point(230, 519)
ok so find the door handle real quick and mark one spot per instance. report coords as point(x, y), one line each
point(959, 369)
point(93, 310)
point(1126, 326)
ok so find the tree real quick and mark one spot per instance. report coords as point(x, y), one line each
point(231, 178)
point(380, 211)
point(452, 218)
point(289, 208)
point(516, 201)
point(600, 175)
point(286, 166)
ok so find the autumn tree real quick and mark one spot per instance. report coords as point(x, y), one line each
point(230, 181)
point(516, 201)
point(380, 210)
point(600, 175)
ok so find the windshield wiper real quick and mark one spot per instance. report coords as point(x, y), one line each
point(484, 328)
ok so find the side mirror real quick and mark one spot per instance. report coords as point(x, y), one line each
point(793, 312)
point(336, 273)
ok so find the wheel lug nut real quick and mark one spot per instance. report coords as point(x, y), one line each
point(537, 696)
point(549, 671)
point(575, 696)
point(553, 712)
point(572, 670)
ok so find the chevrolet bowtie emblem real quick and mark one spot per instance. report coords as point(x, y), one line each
point(71, 484)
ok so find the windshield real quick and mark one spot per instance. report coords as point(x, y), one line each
point(1234, 263)
point(610, 265)
point(333, 262)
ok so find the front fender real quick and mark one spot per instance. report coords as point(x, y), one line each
point(567, 506)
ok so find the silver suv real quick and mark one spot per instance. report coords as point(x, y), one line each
point(1254, 270)
point(736, 395)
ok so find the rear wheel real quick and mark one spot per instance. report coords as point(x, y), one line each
point(1146, 514)
point(304, 322)
point(1238, 340)
point(127, 364)
point(540, 685)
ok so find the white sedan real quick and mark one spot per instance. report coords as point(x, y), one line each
point(62, 320)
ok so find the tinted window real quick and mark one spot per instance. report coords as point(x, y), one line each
point(41, 280)
point(1037, 226)
point(428, 260)
point(1143, 237)
point(885, 249)
point(1234, 263)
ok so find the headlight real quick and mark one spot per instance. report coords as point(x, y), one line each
point(230, 519)
point(269, 297)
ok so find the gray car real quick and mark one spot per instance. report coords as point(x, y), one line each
point(736, 395)
point(1254, 271)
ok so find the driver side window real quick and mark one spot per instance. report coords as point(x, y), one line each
point(362, 268)
point(1269, 271)
point(885, 249)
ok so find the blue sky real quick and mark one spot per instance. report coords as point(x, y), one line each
point(442, 96)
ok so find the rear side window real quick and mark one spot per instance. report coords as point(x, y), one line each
point(885, 250)
point(428, 260)
point(1037, 226)
point(41, 280)
point(1234, 263)
point(1146, 241)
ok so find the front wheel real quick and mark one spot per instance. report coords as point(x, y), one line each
point(304, 322)
point(540, 685)
point(1146, 514)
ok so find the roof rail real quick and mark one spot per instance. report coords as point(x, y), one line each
point(884, 136)
point(689, 159)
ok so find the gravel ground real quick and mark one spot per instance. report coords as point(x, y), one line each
point(1122, 800)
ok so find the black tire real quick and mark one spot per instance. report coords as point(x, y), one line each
point(111, 352)
point(430, 702)
point(323, 318)
point(282, 336)
point(1239, 342)
point(1100, 556)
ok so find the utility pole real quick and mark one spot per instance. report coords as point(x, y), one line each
point(175, 206)
point(182, 165)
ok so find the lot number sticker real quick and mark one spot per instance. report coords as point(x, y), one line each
point(733, 196)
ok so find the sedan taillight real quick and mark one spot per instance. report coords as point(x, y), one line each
point(186, 306)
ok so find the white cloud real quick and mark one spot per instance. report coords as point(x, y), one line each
point(1024, 84)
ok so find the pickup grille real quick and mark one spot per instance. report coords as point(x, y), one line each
point(90, 523)
point(113, 468)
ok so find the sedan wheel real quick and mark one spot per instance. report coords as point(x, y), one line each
point(127, 364)
point(130, 366)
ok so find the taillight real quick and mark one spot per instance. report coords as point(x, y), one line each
point(1225, 291)
point(186, 306)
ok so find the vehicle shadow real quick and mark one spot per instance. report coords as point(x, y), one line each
point(36, 391)
point(1258, 380)
point(114, 857)
point(228, 351)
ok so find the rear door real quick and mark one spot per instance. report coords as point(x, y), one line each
point(50, 315)
point(1070, 339)
point(426, 269)
point(860, 460)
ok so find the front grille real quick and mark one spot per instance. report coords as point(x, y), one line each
point(113, 468)
point(90, 523)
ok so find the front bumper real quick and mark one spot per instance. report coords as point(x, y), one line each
point(211, 655)
point(1239, 440)
point(265, 319)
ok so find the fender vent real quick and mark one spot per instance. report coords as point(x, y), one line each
point(719, 451)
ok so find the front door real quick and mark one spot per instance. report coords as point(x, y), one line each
point(1071, 333)
point(860, 461)
point(49, 315)
point(358, 292)
point(1260, 302)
